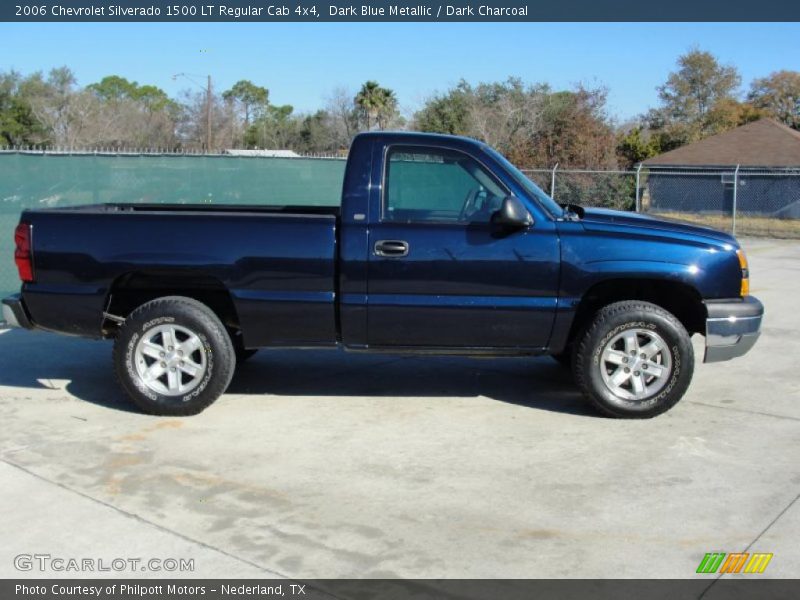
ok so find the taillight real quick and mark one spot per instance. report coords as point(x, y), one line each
point(23, 255)
point(745, 289)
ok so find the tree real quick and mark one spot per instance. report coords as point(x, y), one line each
point(574, 130)
point(247, 102)
point(377, 105)
point(18, 124)
point(778, 95)
point(253, 99)
point(446, 113)
point(70, 114)
point(698, 84)
point(343, 115)
point(508, 116)
point(192, 122)
point(113, 112)
point(531, 124)
point(387, 108)
point(276, 129)
point(317, 133)
point(503, 114)
point(113, 88)
point(691, 95)
point(367, 101)
point(131, 115)
point(728, 113)
point(636, 146)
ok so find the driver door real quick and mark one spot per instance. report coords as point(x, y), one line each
point(440, 274)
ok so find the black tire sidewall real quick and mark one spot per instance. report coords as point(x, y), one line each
point(199, 319)
point(615, 321)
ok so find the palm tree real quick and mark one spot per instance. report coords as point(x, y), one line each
point(368, 100)
point(387, 108)
point(376, 104)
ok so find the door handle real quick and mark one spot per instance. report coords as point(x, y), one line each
point(391, 248)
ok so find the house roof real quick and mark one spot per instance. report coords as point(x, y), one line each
point(762, 143)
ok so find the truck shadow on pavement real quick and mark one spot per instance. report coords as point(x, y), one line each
point(62, 366)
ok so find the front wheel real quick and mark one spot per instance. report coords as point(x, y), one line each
point(635, 360)
point(173, 356)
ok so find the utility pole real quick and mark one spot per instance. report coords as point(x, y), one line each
point(638, 181)
point(735, 193)
point(553, 183)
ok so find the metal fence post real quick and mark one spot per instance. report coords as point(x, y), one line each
point(638, 205)
point(553, 183)
point(735, 191)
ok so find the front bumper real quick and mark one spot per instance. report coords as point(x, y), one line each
point(14, 313)
point(732, 327)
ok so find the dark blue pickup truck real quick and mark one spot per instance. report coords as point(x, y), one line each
point(440, 246)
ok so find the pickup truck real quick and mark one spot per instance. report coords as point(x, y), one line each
point(440, 246)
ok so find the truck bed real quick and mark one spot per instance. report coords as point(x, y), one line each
point(276, 263)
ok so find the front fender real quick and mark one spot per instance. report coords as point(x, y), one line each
point(705, 267)
point(588, 257)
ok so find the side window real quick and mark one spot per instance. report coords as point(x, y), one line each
point(438, 186)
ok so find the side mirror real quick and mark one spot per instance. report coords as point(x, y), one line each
point(512, 214)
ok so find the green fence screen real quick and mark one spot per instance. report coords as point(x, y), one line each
point(51, 180)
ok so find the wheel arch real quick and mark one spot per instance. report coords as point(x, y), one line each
point(677, 297)
point(134, 288)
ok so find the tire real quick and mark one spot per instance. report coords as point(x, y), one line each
point(619, 338)
point(173, 357)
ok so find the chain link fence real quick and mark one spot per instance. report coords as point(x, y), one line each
point(742, 201)
point(609, 189)
point(760, 202)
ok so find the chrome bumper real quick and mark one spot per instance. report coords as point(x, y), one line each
point(14, 313)
point(732, 327)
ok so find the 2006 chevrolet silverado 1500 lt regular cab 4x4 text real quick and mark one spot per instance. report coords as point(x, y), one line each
point(440, 246)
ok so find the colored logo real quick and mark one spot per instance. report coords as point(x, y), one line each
point(736, 562)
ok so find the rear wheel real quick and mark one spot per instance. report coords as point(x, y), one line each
point(173, 356)
point(635, 360)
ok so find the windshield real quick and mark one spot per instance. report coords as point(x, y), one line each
point(534, 190)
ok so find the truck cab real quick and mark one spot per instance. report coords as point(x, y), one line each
point(427, 260)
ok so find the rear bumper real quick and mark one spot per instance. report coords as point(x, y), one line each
point(14, 313)
point(732, 327)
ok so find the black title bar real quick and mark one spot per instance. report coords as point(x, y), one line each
point(383, 10)
point(705, 587)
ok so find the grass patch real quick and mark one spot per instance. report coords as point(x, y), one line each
point(745, 225)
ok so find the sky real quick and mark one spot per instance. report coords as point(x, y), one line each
point(301, 63)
